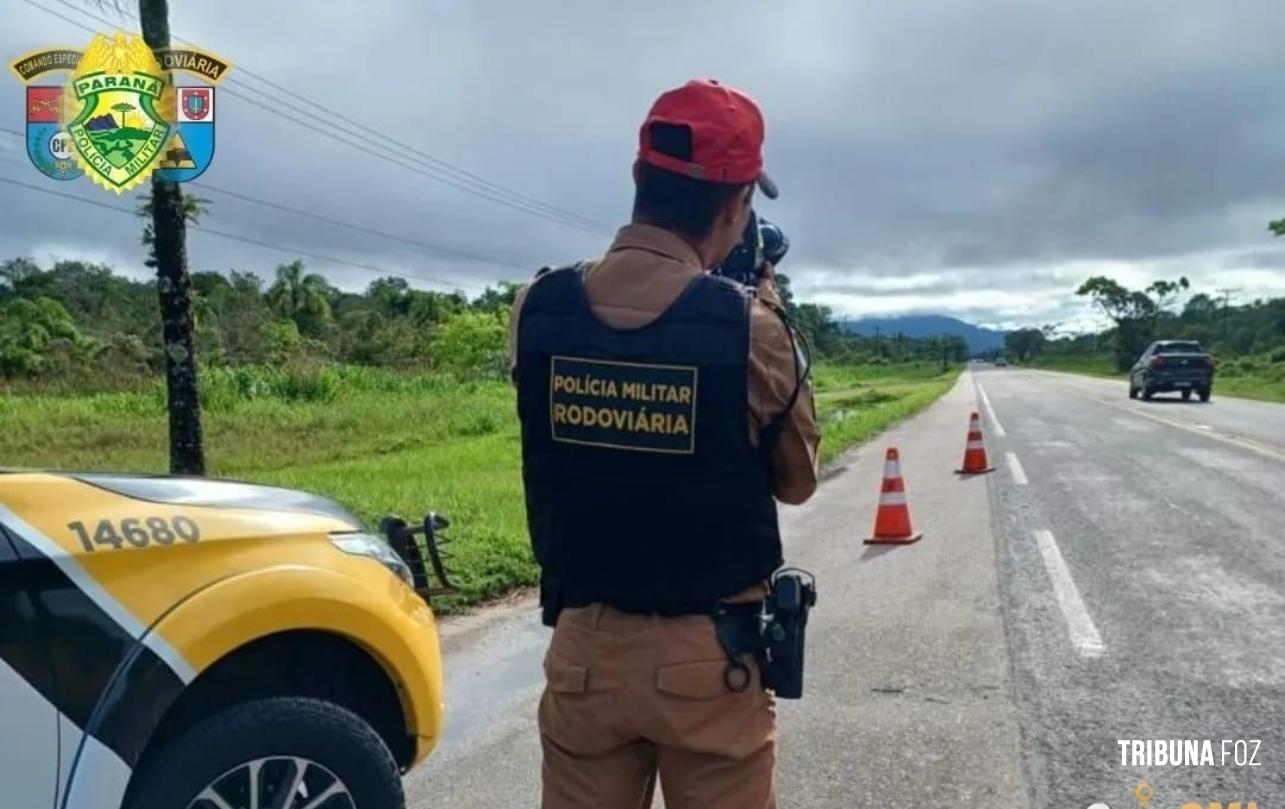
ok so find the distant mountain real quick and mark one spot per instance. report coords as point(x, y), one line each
point(917, 326)
point(102, 123)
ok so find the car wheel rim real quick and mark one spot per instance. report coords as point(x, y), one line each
point(275, 782)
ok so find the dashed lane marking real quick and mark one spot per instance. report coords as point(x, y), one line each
point(1079, 624)
point(990, 411)
point(1015, 466)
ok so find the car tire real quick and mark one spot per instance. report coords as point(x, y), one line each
point(282, 735)
point(1186, 395)
point(1146, 394)
point(1205, 393)
point(1133, 392)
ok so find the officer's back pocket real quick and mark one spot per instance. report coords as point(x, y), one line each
point(702, 679)
point(699, 713)
point(566, 678)
point(577, 715)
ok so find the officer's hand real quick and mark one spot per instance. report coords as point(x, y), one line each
point(767, 284)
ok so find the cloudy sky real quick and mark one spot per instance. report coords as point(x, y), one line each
point(974, 158)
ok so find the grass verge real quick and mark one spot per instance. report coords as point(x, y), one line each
point(855, 402)
point(381, 443)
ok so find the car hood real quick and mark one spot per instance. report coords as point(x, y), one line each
point(191, 491)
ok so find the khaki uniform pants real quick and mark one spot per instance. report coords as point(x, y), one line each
point(630, 697)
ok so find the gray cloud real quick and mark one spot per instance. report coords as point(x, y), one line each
point(980, 158)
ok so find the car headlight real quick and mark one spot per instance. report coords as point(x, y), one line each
point(374, 547)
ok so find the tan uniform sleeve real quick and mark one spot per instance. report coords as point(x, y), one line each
point(514, 314)
point(772, 378)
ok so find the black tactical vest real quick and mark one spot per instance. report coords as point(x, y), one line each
point(642, 488)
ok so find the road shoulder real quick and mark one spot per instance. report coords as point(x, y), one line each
point(908, 693)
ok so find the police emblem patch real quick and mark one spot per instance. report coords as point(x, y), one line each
point(621, 405)
point(48, 144)
point(120, 117)
point(191, 148)
point(117, 130)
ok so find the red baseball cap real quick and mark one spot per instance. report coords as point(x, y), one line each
point(727, 134)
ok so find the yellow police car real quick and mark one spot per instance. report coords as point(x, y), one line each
point(177, 642)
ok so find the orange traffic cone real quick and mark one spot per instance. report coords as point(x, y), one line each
point(975, 462)
point(892, 520)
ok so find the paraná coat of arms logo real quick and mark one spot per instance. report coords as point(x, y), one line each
point(120, 117)
point(116, 130)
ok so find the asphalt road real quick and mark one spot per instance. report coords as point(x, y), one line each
point(1169, 521)
point(1126, 581)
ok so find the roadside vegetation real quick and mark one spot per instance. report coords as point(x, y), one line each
point(394, 400)
point(1247, 339)
point(382, 441)
point(854, 402)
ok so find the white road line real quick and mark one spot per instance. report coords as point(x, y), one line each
point(1015, 466)
point(990, 411)
point(1084, 635)
point(1267, 451)
point(1205, 430)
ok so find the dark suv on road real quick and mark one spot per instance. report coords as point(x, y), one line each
point(1173, 365)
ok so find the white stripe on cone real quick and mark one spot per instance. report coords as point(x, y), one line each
point(975, 445)
point(892, 498)
point(891, 470)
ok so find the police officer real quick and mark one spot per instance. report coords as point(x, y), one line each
point(663, 412)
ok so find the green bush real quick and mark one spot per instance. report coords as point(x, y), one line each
point(472, 345)
point(38, 337)
point(280, 340)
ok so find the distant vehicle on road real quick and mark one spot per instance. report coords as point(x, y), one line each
point(1173, 365)
point(1000, 362)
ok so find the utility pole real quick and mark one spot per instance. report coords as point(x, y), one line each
point(1226, 292)
point(167, 239)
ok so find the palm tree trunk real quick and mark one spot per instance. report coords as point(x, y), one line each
point(174, 288)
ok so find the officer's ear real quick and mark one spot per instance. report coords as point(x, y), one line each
point(737, 208)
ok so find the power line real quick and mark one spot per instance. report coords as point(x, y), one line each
point(436, 161)
point(371, 268)
point(435, 248)
point(377, 149)
point(386, 155)
point(438, 169)
point(446, 251)
point(381, 151)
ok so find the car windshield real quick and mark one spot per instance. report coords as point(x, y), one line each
point(1179, 348)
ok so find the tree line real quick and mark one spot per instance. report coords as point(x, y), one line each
point(83, 320)
point(1139, 316)
point(90, 327)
